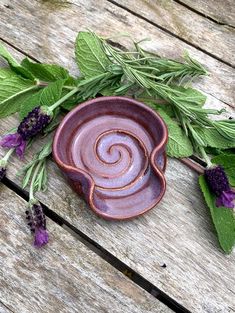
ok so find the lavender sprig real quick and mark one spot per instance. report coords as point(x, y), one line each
point(218, 183)
point(34, 214)
point(36, 220)
point(30, 126)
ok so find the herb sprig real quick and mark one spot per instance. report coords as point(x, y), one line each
point(40, 93)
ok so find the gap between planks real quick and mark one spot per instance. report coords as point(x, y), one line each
point(103, 253)
point(203, 14)
point(169, 32)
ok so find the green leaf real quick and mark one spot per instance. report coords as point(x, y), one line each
point(30, 103)
point(6, 73)
point(166, 107)
point(191, 95)
point(14, 65)
point(212, 138)
point(52, 93)
point(90, 56)
point(228, 163)
point(178, 145)
point(45, 72)
point(222, 218)
point(10, 90)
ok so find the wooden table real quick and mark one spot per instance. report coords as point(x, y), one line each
point(167, 260)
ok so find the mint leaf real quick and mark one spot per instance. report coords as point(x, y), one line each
point(228, 163)
point(29, 103)
point(222, 218)
point(6, 73)
point(14, 65)
point(10, 89)
point(51, 93)
point(212, 138)
point(45, 72)
point(90, 56)
point(178, 145)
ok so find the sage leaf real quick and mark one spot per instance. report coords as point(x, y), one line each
point(223, 218)
point(228, 163)
point(14, 65)
point(45, 72)
point(12, 91)
point(52, 93)
point(90, 56)
point(179, 145)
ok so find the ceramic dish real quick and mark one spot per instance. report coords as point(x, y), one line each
point(112, 150)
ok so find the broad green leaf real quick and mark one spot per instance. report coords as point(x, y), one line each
point(52, 93)
point(30, 103)
point(10, 89)
point(90, 56)
point(45, 72)
point(228, 163)
point(14, 105)
point(178, 145)
point(14, 65)
point(6, 73)
point(212, 138)
point(223, 218)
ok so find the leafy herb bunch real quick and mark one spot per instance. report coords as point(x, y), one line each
point(40, 93)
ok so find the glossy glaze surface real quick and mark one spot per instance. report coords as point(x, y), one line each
point(112, 151)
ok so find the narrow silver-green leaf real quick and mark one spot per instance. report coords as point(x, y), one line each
point(212, 138)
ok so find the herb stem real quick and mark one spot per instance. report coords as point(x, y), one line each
point(31, 190)
point(205, 156)
point(8, 154)
point(68, 95)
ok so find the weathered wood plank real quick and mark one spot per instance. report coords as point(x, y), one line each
point(192, 27)
point(178, 232)
point(47, 31)
point(4, 309)
point(65, 276)
point(221, 11)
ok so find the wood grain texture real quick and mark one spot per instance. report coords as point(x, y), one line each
point(47, 30)
point(213, 38)
point(4, 309)
point(64, 277)
point(178, 232)
point(221, 11)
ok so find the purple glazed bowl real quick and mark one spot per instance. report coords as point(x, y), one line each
point(112, 150)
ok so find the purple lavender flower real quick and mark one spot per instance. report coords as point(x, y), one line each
point(219, 185)
point(14, 141)
point(2, 173)
point(37, 223)
point(30, 126)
